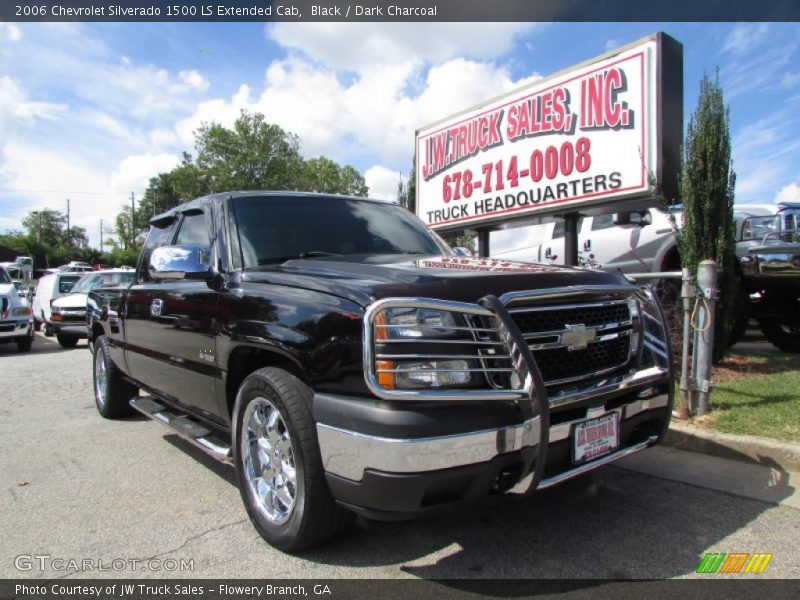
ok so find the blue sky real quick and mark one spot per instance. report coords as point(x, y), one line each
point(90, 112)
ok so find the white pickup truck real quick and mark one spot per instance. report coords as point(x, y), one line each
point(643, 242)
point(629, 242)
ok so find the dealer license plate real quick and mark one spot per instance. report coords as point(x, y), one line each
point(595, 437)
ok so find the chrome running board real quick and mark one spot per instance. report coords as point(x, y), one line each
point(190, 430)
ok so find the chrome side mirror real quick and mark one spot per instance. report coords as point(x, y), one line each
point(181, 262)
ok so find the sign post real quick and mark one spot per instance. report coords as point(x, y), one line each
point(591, 139)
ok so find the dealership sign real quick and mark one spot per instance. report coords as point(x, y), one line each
point(590, 135)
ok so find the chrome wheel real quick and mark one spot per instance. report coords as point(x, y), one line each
point(268, 457)
point(100, 380)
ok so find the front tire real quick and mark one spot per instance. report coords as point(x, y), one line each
point(111, 392)
point(24, 343)
point(67, 341)
point(278, 463)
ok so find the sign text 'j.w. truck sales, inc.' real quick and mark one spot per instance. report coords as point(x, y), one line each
point(589, 135)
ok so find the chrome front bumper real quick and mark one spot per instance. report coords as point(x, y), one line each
point(11, 328)
point(349, 454)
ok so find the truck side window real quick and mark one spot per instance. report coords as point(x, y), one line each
point(160, 235)
point(194, 230)
point(603, 222)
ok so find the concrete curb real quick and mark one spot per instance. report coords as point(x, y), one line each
point(747, 448)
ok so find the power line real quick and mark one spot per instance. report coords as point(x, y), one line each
point(4, 190)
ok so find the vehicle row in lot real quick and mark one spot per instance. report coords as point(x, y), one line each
point(16, 324)
point(68, 313)
point(59, 302)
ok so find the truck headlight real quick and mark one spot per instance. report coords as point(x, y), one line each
point(410, 322)
point(20, 311)
point(424, 374)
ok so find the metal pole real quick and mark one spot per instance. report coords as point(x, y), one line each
point(688, 291)
point(571, 239)
point(704, 335)
point(483, 243)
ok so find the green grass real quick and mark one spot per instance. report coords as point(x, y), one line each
point(757, 393)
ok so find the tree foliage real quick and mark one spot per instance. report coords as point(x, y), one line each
point(706, 187)
point(252, 155)
point(45, 237)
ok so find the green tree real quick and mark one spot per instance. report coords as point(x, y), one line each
point(407, 192)
point(254, 155)
point(161, 195)
point(706, 187)
point(46, 227)
point(323, 175)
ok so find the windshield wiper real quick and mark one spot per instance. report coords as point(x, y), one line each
point(307, 254)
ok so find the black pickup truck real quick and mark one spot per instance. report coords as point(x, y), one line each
point(345, 360)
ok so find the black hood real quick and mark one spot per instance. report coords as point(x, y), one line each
point(366, 279)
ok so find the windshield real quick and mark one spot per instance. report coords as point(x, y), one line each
point(4, 278)
point(273, 229)
point(99, 280)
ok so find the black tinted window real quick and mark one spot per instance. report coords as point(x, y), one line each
point(603, 222)
point(159, 235)
point(65, 284)
point(194, 230)
point(274, 229)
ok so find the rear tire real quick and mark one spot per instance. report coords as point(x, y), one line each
point(111, 392)
point(782, 334)
point(48, 330)
point(278, 463)
point(741, 315)
point(67, 341)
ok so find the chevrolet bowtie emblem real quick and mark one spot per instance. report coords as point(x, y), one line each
point(577, 337)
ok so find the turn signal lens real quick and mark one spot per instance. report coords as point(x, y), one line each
point(385, 379)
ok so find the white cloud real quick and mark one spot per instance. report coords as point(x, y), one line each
point(134, 172)
point(360, 46)
point(790, 79)
point(9, 31)
point(382, 182)
point(216, 110)
point(17, 110)
point(54, 177)
point(744, 37)
point(193, 80)
point(788, 193)
point(375, 113)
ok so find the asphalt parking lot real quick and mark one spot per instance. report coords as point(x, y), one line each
point(78, 487)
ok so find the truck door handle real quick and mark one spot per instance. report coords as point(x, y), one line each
point(587, 245)
point(548, 253)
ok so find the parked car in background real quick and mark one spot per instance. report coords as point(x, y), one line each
point(74, 266)
point(68, 313)
point(50, 287)
point(768, 247)
point(632, 242)
point(16, 324)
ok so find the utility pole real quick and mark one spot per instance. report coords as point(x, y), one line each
point(133, 224)
point(68, 223)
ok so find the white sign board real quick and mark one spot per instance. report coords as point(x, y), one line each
point(582, 137)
